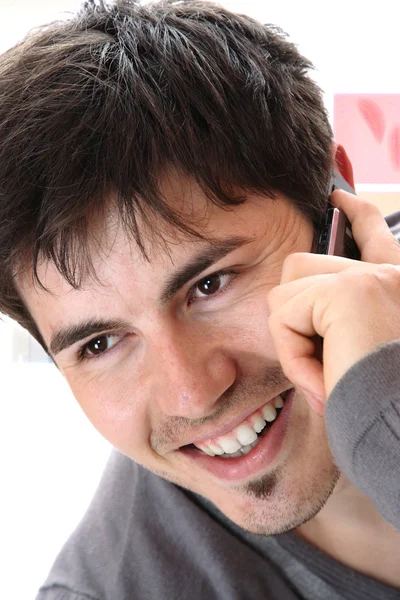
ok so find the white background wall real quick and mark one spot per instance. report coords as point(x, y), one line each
point(51, 458)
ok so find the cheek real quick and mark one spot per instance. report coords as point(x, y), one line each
point(244, 326)
point(254, 337)
point(116, 410)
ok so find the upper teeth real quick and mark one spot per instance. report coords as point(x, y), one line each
point(243, 437)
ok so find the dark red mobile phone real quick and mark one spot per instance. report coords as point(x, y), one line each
point(335, 236)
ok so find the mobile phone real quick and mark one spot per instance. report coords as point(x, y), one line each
point(335, 236)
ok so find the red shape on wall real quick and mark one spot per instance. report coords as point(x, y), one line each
point(373, 116)
point(368, 126)
point(395, 147)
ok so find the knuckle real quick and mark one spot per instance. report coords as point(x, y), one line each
point(369, 281)
point(292, 264)
point(367, 208)
point(388, 272)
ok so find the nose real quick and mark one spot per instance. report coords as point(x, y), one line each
point(192, 372)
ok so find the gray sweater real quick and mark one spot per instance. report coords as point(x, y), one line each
point(145, 538)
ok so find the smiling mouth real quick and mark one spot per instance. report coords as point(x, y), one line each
point(246, 436)
point(242, 464)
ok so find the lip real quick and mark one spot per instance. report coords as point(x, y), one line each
point(242, 417)
point(259, 459)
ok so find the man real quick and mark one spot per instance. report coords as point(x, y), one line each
point(164, 171)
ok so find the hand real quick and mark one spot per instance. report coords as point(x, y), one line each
point(353, 305)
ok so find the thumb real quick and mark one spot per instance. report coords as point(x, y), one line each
point(370, 230)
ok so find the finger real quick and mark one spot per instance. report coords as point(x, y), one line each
point(304, 264)
point(370, 230)
point(354, 311)
point(290, 288)
point(296, 349)
point(280, 294)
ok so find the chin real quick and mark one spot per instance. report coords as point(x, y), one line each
point(273, 505)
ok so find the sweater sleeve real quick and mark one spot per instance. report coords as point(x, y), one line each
point(363, 425)
point(61, 593)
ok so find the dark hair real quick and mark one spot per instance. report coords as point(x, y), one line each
point(106, 101)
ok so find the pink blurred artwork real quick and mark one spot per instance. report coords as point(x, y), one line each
point(368, 126)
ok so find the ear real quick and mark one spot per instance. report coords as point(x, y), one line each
point(342, 163)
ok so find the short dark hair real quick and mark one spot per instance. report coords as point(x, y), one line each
point(107, 100)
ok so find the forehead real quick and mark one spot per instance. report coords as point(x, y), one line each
point(163, 242)
point(120, 265)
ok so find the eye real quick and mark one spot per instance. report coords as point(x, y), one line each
point(99, 345)
point(212, 284)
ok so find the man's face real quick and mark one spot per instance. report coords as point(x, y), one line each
point(171, 359)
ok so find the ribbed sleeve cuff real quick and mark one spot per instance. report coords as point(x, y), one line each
point(363, 425)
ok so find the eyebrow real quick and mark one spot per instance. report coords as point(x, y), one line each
point(214, 251)
point(67, 336)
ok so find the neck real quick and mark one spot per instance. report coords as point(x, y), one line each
point(350, 530)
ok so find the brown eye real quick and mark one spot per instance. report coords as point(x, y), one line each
point(209, 285)
point(212, 284)
point(97, 345)
point(100, 344)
